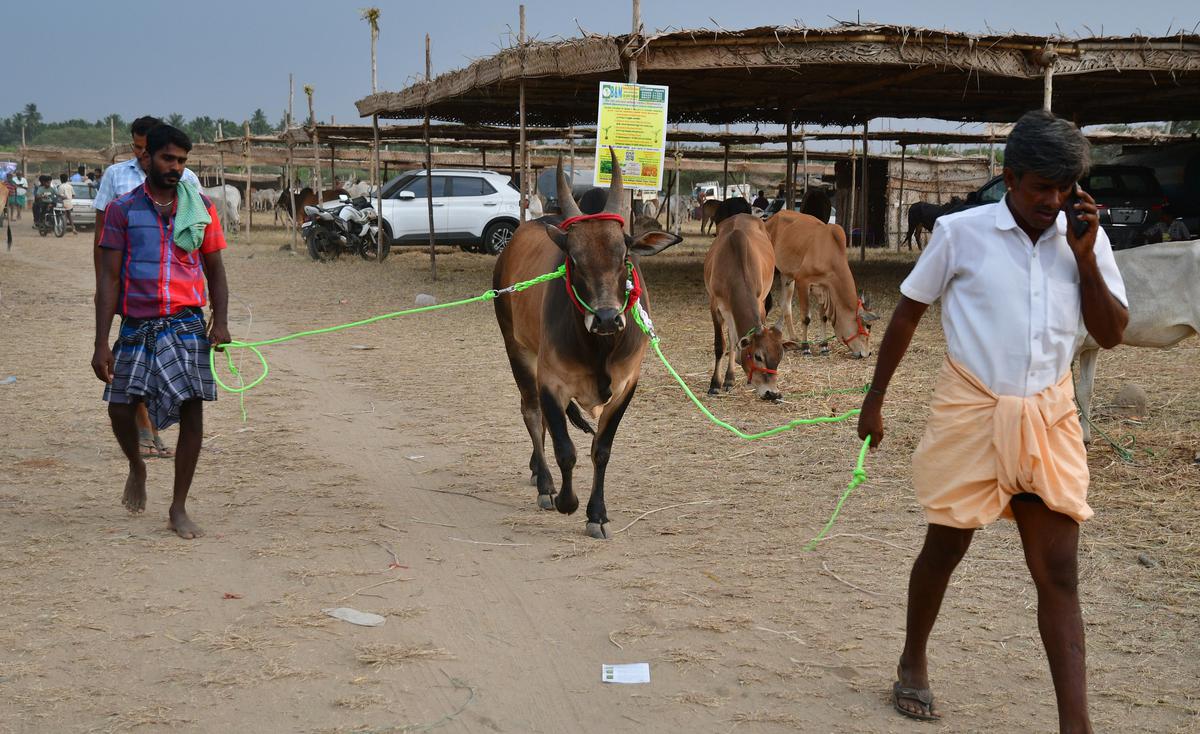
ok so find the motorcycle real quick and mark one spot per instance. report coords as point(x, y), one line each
point(350, 225)
point(53, 217)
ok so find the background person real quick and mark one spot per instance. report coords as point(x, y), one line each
point(67, 192)
point(19, 193)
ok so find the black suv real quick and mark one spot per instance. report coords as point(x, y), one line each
point(1133, 208)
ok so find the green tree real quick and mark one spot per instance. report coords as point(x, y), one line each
point(176, 120)
point(259, 124)
point(32, 119)
point(202, 128)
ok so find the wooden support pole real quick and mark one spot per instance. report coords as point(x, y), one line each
point(900, 208)
point(789, 184)
point(221, 177)
point(316, 171)
point(380, 237)
point(849, 215)
point(804, 154)
point(429, 171)
point(1047, 87)
point(524, 201)
point(249, 178)
point(333, 182)
point(864, 210)
point(291, 162)
point(725, 174)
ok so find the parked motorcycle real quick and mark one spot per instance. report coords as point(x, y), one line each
point(350, 225)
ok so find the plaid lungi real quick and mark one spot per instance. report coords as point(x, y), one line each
point(162, 362)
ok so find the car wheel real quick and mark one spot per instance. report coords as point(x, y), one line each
point(497, 236)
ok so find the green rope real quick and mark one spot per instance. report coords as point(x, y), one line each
point(857, 476)
point(254, 346)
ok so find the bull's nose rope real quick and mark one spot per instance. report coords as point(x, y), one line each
point(640, 316)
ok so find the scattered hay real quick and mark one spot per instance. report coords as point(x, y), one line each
point(770, 717)
point(701, 699)
point(360, 701)
point(233, 640)
point(403, 612)
point(379, 654)
point(144, 716)
point(722, 624)
point(684, 658)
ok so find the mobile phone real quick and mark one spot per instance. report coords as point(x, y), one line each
point(1080, 226)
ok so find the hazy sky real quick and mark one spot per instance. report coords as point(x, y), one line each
point(224, 58)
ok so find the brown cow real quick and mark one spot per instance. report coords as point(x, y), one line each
point(574, 345)
point(809, 252)
point(738, 271)
point(305, 197)
point(708, 214)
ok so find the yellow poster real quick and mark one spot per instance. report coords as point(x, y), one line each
point(633, 121)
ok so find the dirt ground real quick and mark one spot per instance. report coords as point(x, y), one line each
point(384, 469)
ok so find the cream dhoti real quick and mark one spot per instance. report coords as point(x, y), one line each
point(980, 449)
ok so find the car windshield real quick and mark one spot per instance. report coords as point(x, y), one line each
point(83, 191)
point(1122, 183)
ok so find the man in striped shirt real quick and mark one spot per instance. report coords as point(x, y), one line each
point(118, 179)
point(154, 277)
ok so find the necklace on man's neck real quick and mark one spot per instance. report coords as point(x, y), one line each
point(163, 204)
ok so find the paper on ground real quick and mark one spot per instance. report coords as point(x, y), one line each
point(626, 673)
point(353, 616)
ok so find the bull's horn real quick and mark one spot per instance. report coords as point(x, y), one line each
point(614, 205)
point(566, 202)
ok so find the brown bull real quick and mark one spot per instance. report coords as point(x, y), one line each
point(809, 252)
point(708, 214)
point(573, 344)
point(304, 197)
point(738, 271)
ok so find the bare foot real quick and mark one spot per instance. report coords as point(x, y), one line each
point(134, 498)
point(183, 525)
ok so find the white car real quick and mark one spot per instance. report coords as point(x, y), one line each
point(476, 209)
point(82, 211)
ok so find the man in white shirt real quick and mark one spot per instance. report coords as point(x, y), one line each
point(67, 192)
point(1003, 438)
point(118, 180)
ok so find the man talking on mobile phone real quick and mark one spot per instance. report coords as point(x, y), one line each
point(1003, 438)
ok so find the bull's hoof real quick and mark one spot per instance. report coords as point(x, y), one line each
point(824, 350)
point(566, 503)
point(599, 531)
point(546, 501)
point(714, 391)
point(805, 350)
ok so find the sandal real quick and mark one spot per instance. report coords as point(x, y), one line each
point(164, 452)
point(148, 445)
point(922, 696)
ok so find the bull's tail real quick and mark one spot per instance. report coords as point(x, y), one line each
point(576, 418)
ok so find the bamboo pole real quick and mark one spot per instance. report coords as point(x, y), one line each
point(864, 210)
point(333, 182)
point(789, 190)
point(633, 79)
point(221, 177)
point(725, 174)
point(429, 171)
point(804, 153)
point(521, 114)
point(316, 171)
point(292, 163)
point(849, 227)
point(900, 206)
point(1047, 87)
point(249, 179)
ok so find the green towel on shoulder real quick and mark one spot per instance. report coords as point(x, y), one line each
point(191, 217)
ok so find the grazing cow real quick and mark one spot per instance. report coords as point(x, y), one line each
point(708, 214)
point(1162, 283)
point(923, 215)
point(573, 345)
point(809, 252)
point(816, 203)
point(228, 202)
point(738, 271)
point(304, 197)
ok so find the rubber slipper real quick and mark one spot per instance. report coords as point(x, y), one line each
point(922, 696)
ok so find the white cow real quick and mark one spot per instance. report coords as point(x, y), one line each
point(1162, 283)
point(228, 202)
point(357, 189)
point(264, 199)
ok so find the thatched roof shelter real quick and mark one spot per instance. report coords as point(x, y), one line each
point(833, 76)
